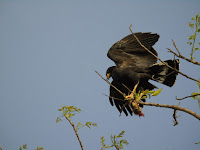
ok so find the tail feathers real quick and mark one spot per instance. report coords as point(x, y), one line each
point(163, 74)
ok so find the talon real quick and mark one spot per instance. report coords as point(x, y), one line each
point(131, 96)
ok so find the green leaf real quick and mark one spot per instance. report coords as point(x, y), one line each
point(193, 94)
point(115, 142)
point(197, 142)
point(108, 146)
point(79, 125)
point(88, 124)
point(24, 146)
point(114, 137)
point(146, 92)
point(121, 146)
point(121, 134)
point(190, 43)
point(58, 119)
point(151, 91)
point(192, 37)
point(196, 49)
point(191, 25)
point(102, 139)
point(40, 148)
point(157, 92)
point(144, 97)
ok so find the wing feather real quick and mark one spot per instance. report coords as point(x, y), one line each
point(128, 51)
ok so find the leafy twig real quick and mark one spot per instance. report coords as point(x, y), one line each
point(39, 148)
point(72, 124)
point(181, 56)
point(24, 146)
point(118, 144)
point(192, 38)
point(68, 112)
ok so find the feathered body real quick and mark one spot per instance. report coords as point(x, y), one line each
point(135, 64)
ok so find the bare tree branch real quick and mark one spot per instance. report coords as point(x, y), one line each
point(175, 107)
point(187, 97)
point(160, 59)
point(110, 83)
point(181, 56)
point(176, 47)
point(175, 116)
point(113, 97)
point(72, 124)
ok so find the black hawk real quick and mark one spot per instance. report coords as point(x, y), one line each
point(135, 65)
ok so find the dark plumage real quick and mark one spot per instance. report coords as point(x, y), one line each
point(133, 64)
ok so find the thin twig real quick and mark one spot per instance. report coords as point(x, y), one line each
point(72, 124)
point(176, 47)
point(181, 56)
point(187, 97)
point(175, 116)
point(172, 107)
point(110, 83)
point(160, 59)
point(117, 147)
point(113, 97)
point(126, 87)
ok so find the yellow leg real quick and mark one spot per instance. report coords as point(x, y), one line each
point(132, 93)
point(135, 106)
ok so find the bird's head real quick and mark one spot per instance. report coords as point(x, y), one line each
point(109, 72)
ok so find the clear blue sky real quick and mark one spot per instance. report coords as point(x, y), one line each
point(48, 53)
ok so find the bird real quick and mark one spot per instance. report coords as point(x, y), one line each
point(134, 67)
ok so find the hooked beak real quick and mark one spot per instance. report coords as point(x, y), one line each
point(108, 76)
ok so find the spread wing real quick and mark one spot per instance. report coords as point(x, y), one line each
point(128, 52)
point(129, 55)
